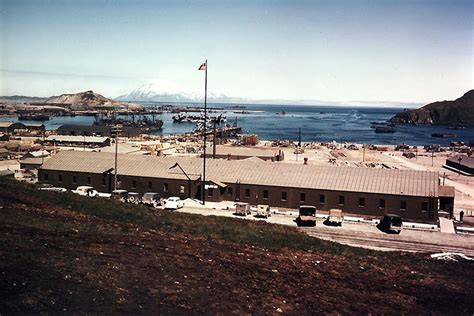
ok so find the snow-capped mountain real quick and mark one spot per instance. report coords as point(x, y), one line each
point(163, 91)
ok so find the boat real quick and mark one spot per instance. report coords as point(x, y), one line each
point(456, 127)
point(144, 124)
point(443, 135)
point(384, 129)
point(33, 117)
point(185, 118)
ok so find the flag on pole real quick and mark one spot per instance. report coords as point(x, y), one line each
point(202, 67)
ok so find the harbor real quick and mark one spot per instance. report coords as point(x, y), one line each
point(318, 124)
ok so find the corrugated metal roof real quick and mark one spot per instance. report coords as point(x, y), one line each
point(70, 138)
point(246, 151)
point(8, 124)
point(446, 191)
point(351, 179)
point(465, 160)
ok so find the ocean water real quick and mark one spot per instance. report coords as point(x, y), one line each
point(317, 123)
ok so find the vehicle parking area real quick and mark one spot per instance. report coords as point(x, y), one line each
point(363, 233)
point(355, 230)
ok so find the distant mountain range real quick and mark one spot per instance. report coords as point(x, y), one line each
point(170, 93)
point(457, 112)
point(21, 99)
point(164, 92)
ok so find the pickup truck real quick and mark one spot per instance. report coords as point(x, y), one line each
point(334, 218)
point(263, 211)
point(307, 216)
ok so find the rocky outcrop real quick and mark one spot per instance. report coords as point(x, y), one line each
point(457, 112)
point(89, 100)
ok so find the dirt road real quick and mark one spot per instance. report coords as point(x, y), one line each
point(365, 235)
point(410, 242)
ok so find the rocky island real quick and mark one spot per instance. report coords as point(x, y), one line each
point(457, 112)
point(89, 100)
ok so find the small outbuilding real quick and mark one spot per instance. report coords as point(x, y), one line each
point(68, 140)
point(463, 163)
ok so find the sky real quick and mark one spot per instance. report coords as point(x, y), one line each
point(405, 51)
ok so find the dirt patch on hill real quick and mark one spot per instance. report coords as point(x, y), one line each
point(45, 270)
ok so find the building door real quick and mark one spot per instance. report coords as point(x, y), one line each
point(237, 191)
point(198, 194)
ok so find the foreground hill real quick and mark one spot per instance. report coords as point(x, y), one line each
point(71, 254)
point(89, 100)
point(457, 112)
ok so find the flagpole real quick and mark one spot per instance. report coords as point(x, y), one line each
point(205, 136)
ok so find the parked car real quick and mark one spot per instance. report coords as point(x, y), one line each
point(263, 211)
point(173, 203)
point(334, 218)
point(307, 216)
point(151, 198)
point(85, 190)
point(390, 224)
point(104, 195)
point(53, 189)
point(119, 195)
point(134, 197)
point(242, 208)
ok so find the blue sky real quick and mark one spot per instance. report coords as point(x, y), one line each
point(409, 51)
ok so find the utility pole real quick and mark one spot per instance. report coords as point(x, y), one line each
point(204, 67)
point(42, 154)
point(214, 140)
point(116, 130)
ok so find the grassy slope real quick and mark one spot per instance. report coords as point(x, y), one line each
point(62, 252)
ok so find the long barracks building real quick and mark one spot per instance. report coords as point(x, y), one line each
point(411, 194)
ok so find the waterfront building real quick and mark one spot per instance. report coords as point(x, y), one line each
point(68, 140)
point(96, 130)
point(409, 193)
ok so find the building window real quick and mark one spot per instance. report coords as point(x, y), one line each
point(103, 180)
point(361, 202)
point(60, 178)
point(45, 177)
point(210, 192)
point(322, 199)
point(181, 189)
point(283, 196)
point(247, 193)
point(134, 184)
point(89, 180)
point(265, 194)
point(303, 197)
point(424, 206)
point(341, 200)
point(403, 205)
point(74, 179)
point(229, 191)
point(165, 187)
point(150, 185)
point(382, 204)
